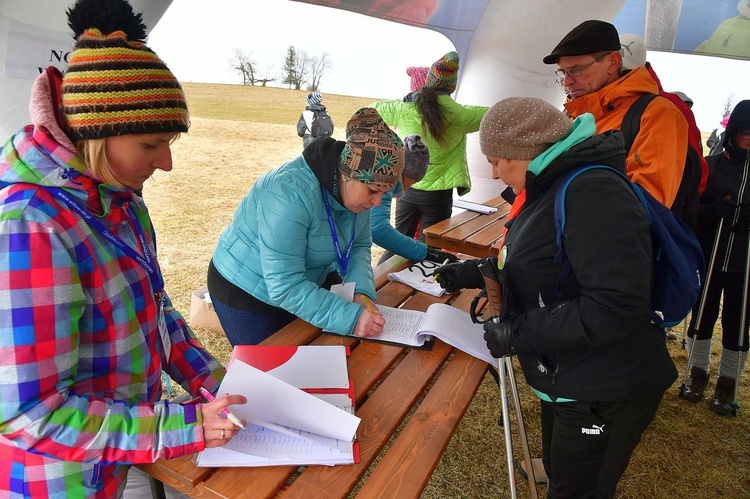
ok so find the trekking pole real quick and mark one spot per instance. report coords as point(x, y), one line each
point(521, 429)
point(743, 322)
point(501, 370)
point(702, 304)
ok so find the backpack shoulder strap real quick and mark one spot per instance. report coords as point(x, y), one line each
point(631, 123)
point(560, 217)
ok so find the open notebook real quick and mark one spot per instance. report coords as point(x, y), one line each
point(453, 326)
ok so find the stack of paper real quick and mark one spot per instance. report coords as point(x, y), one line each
point(288, 425)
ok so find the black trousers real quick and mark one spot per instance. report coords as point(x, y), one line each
point(729, 284)
point(415, 206)
point(586, 446)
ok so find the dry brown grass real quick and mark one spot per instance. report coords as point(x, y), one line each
point(240, 132)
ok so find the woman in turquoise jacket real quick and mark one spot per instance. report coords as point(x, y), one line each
point(443, 125)
point(298, 223)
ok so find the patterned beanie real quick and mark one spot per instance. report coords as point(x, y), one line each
point(416, 157)
point(373, 153)
point(314, 98)
point(418, 75)
point(522, 128)
point(116, 85)
point(443, 73)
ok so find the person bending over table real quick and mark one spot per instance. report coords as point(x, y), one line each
point(86, 324)
point(585, 343)
point(416, 159)
point(298, 223)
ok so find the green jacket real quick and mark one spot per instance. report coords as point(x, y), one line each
point(448, 166)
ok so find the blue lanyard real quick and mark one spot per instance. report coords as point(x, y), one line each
point(146, 261)
point(343, 259)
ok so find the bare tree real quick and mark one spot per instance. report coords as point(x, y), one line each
point(318, 67)
point(729, 104)
point(266, 77)
point(243, 64)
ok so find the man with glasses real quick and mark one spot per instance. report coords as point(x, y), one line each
point(591, 74)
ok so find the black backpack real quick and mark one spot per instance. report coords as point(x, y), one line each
point(687, 200)
point(322, 124)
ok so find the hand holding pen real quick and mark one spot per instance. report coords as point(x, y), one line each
point(219, 430)
point(370, 321)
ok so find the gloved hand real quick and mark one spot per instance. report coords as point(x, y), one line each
point(499, 337)
point(721, 208)
point(455, 276)
point(439, 256)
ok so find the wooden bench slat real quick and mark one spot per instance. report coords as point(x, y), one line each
point(425, 437)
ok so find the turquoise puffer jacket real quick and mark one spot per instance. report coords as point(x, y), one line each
point(279, 248)
point(448, 165)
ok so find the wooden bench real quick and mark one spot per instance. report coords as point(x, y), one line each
point(411, 402)
point(472, 233)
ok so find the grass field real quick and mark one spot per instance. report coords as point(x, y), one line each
point(240, 132)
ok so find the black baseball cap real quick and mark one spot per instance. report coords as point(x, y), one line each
point(588, 37)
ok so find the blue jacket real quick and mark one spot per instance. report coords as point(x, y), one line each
point(387, 237)
point(279, 248)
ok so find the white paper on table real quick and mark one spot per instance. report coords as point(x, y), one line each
point(420, 277)
point(273, 401)
point(468, 205)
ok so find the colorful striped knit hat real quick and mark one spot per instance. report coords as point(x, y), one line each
point(443, 73)
point(116, 85)
point(373, 153)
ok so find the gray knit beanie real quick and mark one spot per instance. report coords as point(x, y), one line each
point(416, 158)
point(522, 128)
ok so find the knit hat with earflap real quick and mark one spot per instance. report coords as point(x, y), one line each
point(114, 84)
point(416, 158)
point(418, 75)
point(443, 74)
point(373, 153)
point(314, 98)
point(521, 128)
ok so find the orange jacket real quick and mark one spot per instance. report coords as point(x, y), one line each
point(656, 159)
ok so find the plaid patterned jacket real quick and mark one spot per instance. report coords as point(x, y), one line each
point(80, 354)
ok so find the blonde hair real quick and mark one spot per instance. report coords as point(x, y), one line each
point(94, 154)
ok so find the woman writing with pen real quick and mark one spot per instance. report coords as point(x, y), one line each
point(300, 222)
point(87, 326)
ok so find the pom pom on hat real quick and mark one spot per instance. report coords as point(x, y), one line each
point(522, 128)
point(633, 51)
point(116, 85)
point(314, 98)
point(416, 157)
point(373, 153)
point(443, 74)
point(418, 75)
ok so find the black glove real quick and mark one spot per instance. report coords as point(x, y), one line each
point(439, 256)
point(455, 276)
point(499, 337)
point(721, 208)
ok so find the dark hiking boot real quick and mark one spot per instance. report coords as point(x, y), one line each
point(723, 403)
point(696, 385)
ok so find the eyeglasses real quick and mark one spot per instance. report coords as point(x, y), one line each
point(577, 71)
point(745, 134)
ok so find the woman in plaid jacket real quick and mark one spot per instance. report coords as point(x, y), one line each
point(85, 325)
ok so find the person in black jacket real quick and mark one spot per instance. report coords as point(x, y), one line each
point(726, 200)
point(584, 341)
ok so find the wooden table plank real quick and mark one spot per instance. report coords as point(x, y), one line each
point(425, 437)
point(381, 414)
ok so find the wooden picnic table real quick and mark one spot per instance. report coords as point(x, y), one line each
point(472, 233)
point(418, 396)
